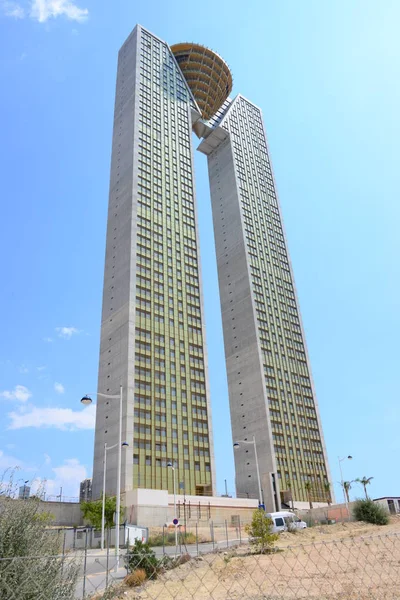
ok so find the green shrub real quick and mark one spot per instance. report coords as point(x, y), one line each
point(259, 531)
point(31, 564)
point(141, 556)
point(370, 512)
point(136, 578)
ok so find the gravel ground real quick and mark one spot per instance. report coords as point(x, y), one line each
point(350, 561)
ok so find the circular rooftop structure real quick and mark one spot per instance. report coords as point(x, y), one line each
point(207, 75)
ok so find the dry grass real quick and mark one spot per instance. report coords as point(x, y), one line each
point(136, 578)
point(348, 561)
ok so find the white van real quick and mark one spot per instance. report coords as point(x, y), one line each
point(284, 521)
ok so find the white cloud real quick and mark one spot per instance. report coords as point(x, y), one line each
point(23, 369)
point(59, 388)
point(67, 332)
point(59, 418)
point(48, 340)
point(43, 368)
point(12, 9)
point(20, 393)
point(66, 476)
point(47, 459)
point(42, 10)
point(8, 462)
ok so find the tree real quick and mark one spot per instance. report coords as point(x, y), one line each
point(289, 487)
point(370, 512)
point(327, 488)
point(92, 512)
point(31, 566)
point(364, 482)
point(307, 487)
point(347, 488)
point(260, 535)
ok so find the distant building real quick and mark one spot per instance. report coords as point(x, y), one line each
point(85, 492)
point(24, 492)
point(391, 503)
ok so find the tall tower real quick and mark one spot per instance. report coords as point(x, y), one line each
point(271, 392)
point(152, 330)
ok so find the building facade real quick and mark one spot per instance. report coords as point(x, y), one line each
point(24, 492)
point(152, 331)
point(271, 393)
point(85, 490)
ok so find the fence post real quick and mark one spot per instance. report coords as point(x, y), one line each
point(108, 555)
point(84, 565)
point(240, 532)
point(197, 538)
point(212, 534)
point(63, 554)
point(163, 540)
point(226, 531)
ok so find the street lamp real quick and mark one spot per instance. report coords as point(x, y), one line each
point(342, 482)
point(103, 507)
point(171, 466)
point(236, 445)
point(86, 400)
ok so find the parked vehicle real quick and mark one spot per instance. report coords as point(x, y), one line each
point(285, 521)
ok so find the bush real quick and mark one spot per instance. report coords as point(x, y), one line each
point(31, 565)
point(136, 578)
point(141, 556)
point(169, 539)
point(370, 512)
point(260, 535)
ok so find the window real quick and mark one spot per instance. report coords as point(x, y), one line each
point(279, 522)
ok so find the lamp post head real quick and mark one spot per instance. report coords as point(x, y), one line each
point(350, 457)
point(125, 444)
point(86, 400)
point(236, 445)
point(170, 465)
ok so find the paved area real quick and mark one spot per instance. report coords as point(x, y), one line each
point(101, 571)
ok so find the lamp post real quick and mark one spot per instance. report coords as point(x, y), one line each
point(236, 445)
point(87, 400)
point(342, 482)
point(103, 507)
point(171, 466)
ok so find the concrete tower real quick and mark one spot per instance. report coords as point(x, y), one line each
point(152, 333)
point(271, 392)
point(152, 330)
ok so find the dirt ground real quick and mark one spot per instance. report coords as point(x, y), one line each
point(349, 561)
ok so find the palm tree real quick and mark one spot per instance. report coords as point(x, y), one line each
point(347, 488)
point(364, 482)
point(307, 486)
point(327, 488)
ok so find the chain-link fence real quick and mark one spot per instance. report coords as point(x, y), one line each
point(353, 568)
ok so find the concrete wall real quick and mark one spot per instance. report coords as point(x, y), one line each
point(155, 508)
point(116, 364)
point(335, 512)
point(67, 514)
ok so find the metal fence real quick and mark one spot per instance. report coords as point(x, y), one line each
point(357, 568)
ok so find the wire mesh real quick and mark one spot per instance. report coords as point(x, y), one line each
point(353, 568)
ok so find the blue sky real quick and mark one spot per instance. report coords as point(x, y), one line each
point(326, 75)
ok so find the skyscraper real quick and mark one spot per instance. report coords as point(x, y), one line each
point(152, 330)
point(85, 490)
point(152, 333)
point(271, 392)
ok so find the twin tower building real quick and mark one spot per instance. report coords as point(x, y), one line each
point(153, 330)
